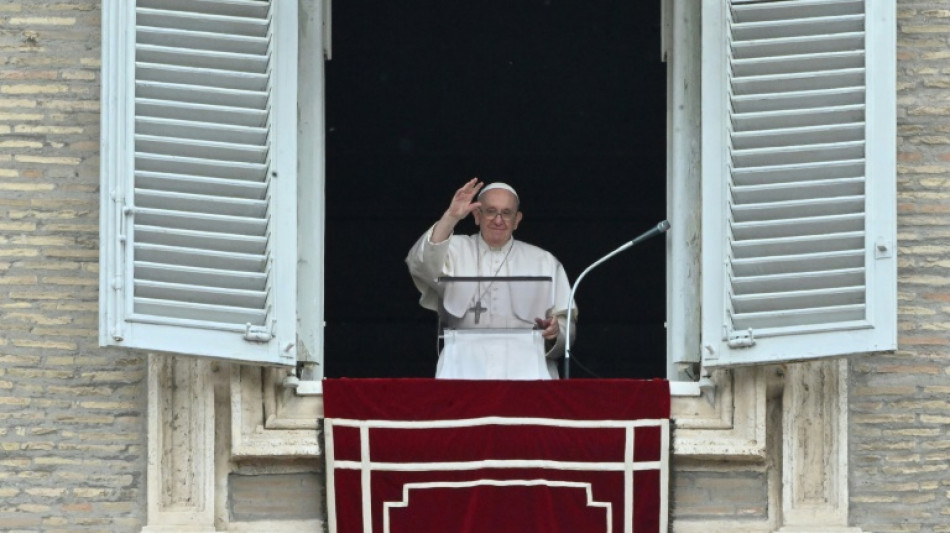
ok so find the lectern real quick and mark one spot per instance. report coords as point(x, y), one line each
point(488, 329)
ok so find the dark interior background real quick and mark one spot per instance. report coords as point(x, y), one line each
point(564, 100)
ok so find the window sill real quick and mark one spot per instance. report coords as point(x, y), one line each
point(687, 389)
point(276, 415)
point(690, 389)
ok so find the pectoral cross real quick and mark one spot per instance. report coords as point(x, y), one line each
point(478, 308)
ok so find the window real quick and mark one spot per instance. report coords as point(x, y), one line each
point(208, 147)
point(571, 113)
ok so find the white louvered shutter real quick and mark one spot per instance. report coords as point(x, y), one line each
point(799, 215)
point(201, 178)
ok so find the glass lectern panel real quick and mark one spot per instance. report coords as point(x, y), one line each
point(504, 302)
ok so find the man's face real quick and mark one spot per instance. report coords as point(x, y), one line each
point(498, 216)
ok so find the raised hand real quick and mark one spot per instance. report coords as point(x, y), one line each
point(459, 208)
point(462, 203)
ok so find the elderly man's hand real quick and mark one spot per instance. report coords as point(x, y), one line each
point(462, 204)
point(548, 326)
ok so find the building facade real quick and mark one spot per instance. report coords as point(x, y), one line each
point(115, 439)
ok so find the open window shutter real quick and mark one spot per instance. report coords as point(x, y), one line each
point(200, 178)
point(799, 215)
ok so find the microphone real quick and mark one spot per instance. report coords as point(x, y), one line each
point(660, 228)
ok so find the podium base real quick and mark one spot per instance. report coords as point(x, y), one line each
point(494, 354)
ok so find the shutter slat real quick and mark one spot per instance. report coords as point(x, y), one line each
point(176, 38)
point(790, 301)
point(230, 152)
point(190, 293)
point(201, 240)
point(208, 277)
point(773, 229)
point(170, 255)
point(798, 100)
point(802, 263)
point(799, 244)
point(791, 155)
point(197, 203)
point(778, 283)
point(202, 313)
point(201, 59)
point(757, 10)
point(845, 79)
point(813, 26)
point(200, 167)
point(206, 113)
point(817, 318)
point(790, 118)
point(787, 210)
point(797, 64)
point(770, 192)
point(798, 45)
point(202, 22)
point(798, 173)
point(183, 75)
point(164, 127)
point(201, 221)
point(234, 8)
point(799, 136)
point(198, 94)
point(183, 183)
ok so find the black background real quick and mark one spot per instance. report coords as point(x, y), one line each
point(564, 100)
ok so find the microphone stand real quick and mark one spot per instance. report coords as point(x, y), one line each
point(662, 227)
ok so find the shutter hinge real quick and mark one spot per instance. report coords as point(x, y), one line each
point(117, 332)
point(128, 212)
point(257, 333)
point(740, 339)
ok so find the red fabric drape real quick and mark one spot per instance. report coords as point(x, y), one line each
point(421, 455)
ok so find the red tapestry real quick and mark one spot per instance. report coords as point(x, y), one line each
point(447, 456)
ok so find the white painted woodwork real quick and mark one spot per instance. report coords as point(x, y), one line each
point(799, 212)
point(199, 178)
point(311, 201)
point(683, 189)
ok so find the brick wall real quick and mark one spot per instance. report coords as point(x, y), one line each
point(900, 404)
point(706, 492)
point(72, 423)
point(293, 496)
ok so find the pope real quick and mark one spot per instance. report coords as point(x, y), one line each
point(491, 253)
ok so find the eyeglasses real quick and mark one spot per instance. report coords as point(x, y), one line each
point(491, 213)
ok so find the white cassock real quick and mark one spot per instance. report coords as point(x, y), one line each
point(495, 354)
